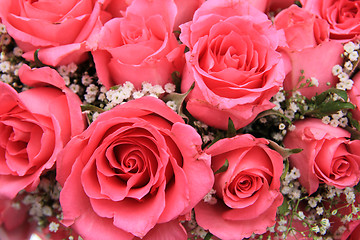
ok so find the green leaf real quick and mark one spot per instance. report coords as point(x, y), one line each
point(231, 131)
point(223, 168)
point(286, 169)
point(357, 187)
point(208, 236)
point(284, 152)
point(319, 99)
point(284, 208)
point(327, 108)
point(179, 98)
point(92, 108)
point(353, 121)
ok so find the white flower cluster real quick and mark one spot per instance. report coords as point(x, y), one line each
point(351, 54)
point(336, 119)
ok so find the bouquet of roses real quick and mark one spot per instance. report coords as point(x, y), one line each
point(179, 119)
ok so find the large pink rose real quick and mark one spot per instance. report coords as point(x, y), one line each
point(308, 42)
point(139, 47)
point(58, 28)
point(233, 62)
point(343, 16)
point(132, 173)
point(247, 192)
point(354, 95)
point(34, 126)
point(328, 156)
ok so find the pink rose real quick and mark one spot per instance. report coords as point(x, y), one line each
point(328, 155)
point(233, 62)
point(343, 16)
point(58, 28)
point(132, 173)
point(353, 233)
point(354, 95)
point(139, 47)
point(247, 192)
point(308, 42)
point(185, 9)
point(34, 127)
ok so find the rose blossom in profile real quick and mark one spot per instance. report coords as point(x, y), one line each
point(233, 61)
point(58, 28)
point(343, 16)
point(308, 45)
point(328, 156)
point(354, 95)
point(139, 47)
point(34, 126)
point(132, 173)
point(247, 192)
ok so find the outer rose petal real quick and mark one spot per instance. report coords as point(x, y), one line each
point(354, 95)
point(328, 53)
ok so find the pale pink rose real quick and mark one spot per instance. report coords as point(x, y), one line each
point(328, 156)
point(309, 50)
point(139, 47)
point(247, 192)
point(34, 126)
point(58, 28)
point(354, 95)
point(233, 62)
point(343, 16)
point(132, 173)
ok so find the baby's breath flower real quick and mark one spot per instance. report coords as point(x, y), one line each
point(171, 104)
point(6, 78)
point(169, 88)
point(314, 82)
point(53, 227)
point(319, 210)
point(63, 70)
point(72, 67)
point(354, 56)
point(74, 87)
point(5, 39)
point(343, 76)
point(349, 47)
point(86, 79)
point(5, 66)
point(137, 94)
point(18, 52)
point(336, 70)
point(348, 65)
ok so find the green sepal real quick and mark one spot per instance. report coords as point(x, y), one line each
point(319, 99)
point(284, 152)
point(88, 107)
point(231, 131)
point(272, 112)
point(286, 169)
point(284, 208)
point(179, 98)
point(208, 236)
point(223, 168)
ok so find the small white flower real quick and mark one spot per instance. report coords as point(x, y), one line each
point(63, 70)
point(86, 80)
point(314, 82)
point(336, 70)
point(5, 39)
point(17, 51)
point(169, 87)
point(5, 66)
point(312, 202)
point(348, 65)
point(53, 227)
point(6, 78)
point(75, 88)
point(137, 94)
point(66, 80)
point(72, 67)
point(334, 122)
point(319, 210)
point(349, 47)
point(280, 97)
point(171, 104)
point(354, 56)
point(343, 76)
point(46, 210)
point(343, 122)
